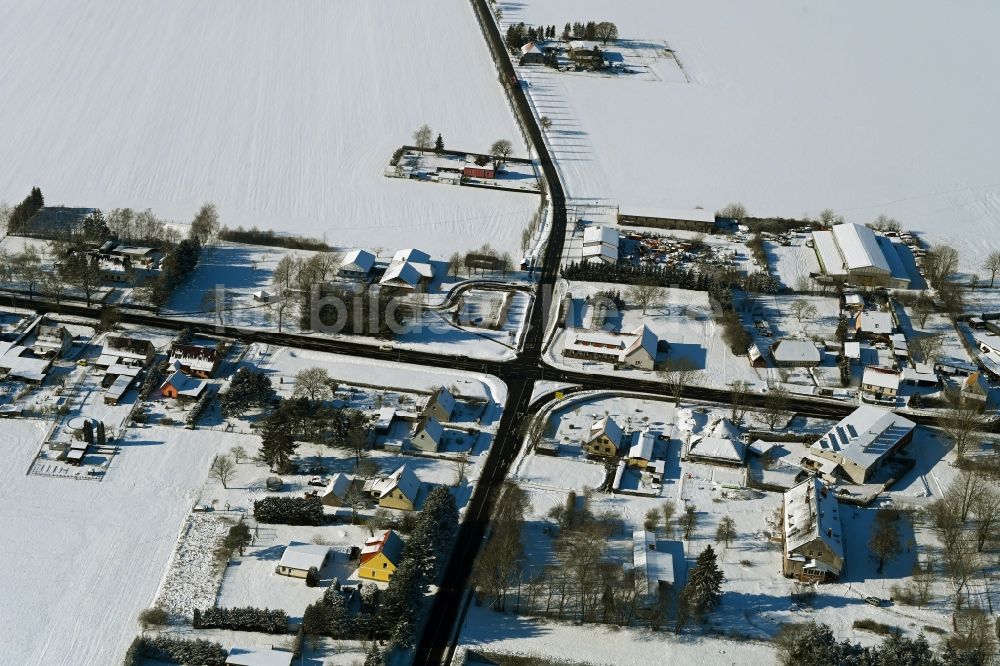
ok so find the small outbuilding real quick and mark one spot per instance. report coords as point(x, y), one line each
point(299, 558)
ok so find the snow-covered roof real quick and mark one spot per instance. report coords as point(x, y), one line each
point(303, 556)
point(443, 398)
point(196, 357)
point(761, 447)
point(876, 375)
point(188, 387)
point(852, 349)
point(607, 427)
point(119, 387)
point(247, 656)
point(432, 427)
point(920, 374)
point(18, 361)
point(687, 215)
point(653, 565)
point(871, 321)
point(358, 261)
point(412, 255)
point(717, 448)
point(865, 435)
point(385, 417)
point(796, 351)
point(642, 445)
point(810, 512)
point(606, 253)
point(403, 478)
point(401, 273)
point(532, 48)
point(859, 248)
point(339, 483)
point(891, 254)
point(854, 299)
point(600, 235)
point(644, 339)
point(386, 542)
point(987, 341)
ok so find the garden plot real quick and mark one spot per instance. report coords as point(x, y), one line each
point(250, 579)
point(683, 319)
point(300, 157)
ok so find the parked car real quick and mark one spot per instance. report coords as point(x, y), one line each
point(317, 481)
point(873, 601)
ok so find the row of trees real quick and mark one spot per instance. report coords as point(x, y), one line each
point(19, 215)
point(811, 644)
point(244, 618)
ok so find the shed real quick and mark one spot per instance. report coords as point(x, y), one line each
point(298, 558)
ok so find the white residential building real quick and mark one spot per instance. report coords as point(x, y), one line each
point(813, 535)
point(637, 349)
point(862, 441)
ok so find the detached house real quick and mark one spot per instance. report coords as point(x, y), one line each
point(399, 490)
point(298, 558)
point(441, 405)
point(196, 360)
point(380, 556)
point(604, 439)
point(179, 385)
point(812, 534)
point(880, 384)
point(357, 265)
point(52, 341)
point(336, 490)
point(123, 350)
point(861, 443)
point(427, 436)
point(637, 349)
point(875, 326)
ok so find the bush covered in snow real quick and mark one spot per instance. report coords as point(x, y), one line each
point(267, 620)
point(195, 573)
point(289, 510)
point(174, 651)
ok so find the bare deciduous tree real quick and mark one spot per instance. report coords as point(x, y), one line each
point(884, 542)
point(803, 309)
point(644, 294)
point(986, 508)
point(725, 533)
point(776, 406)
point(679, 373)
point(926, 347)
point(689, 520)
point(500, 151)
point(546, 123)
point(992, 264)
point(238, 453)
point(739, 394)
point(223, 468)
point(923, 308)
point(423, 137)
point(940, 264)
point(668, 510)
point(607, 31)
point(959, 423)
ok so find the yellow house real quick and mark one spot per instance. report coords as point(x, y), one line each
point(380, 556)
point(604, 439)
point(399, 490)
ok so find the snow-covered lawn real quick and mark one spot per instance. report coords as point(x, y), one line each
point(284, 115)
point(859, 119)
point(683, 318)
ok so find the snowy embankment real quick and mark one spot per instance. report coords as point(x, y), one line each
point(274, 112)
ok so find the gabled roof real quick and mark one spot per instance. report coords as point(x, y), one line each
point(432, 427)
point(865, 435)
point(413, 256)
point(642, 445)
point(443, 398)
point(303, 556)
point(606, 427)
point(654, 565)
point(531, 47)
point(717, 448)
point(796, 351)
point(401, 273)
point(645, 339)
point(339, 483)
point(403, 478)
point(860, 248)
point(386, 542)
point(876, 375)
point(358, 261)
point(810, 512)
point(186, 386)
point(600, 235)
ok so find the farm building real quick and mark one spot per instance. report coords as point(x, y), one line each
point(299, 558)
point(660, 218)
point(791, 353)
point(854, 254)
point(17, 362)
point(863, 440)
point(399, 490)
point(532, 54)
point(357, 265)
point(380, 556)
point(604, 439)
point(812, 533)
point(637, 349)
point(409, 269)
point(880, 384)
point(427, 435)
point(195, 360)
point(473, 170)
point(601, 244)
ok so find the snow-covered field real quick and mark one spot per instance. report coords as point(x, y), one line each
point(283, 114)
point(83, 558)
point(791, 108)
